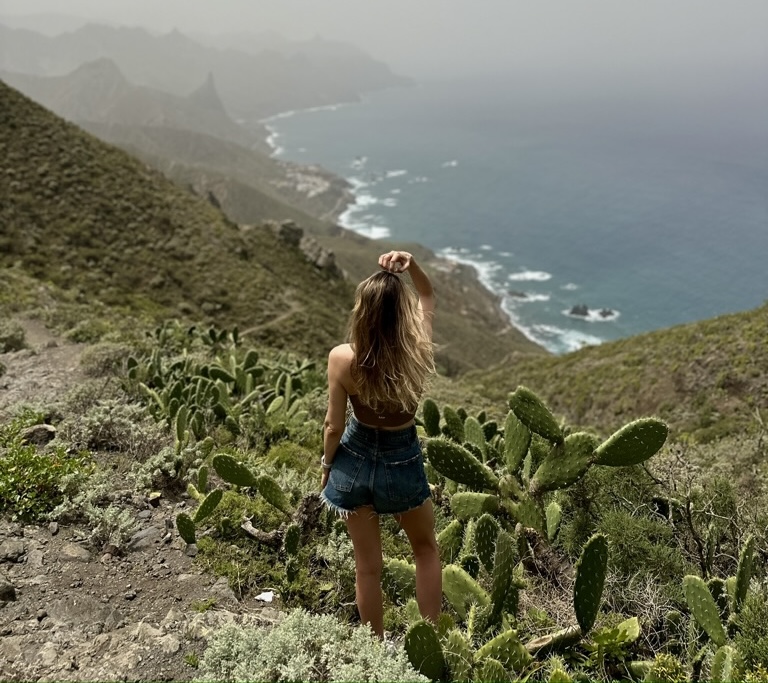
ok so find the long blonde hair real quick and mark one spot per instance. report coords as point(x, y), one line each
point(393, 354)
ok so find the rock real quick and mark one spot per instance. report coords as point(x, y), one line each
point(71, 552)
point(11, 551)
point(39, 435)
point(320, 257)
point(7, 592)
point(53, 527)
point(579, 309)
point(145, 538)
point(288, 232)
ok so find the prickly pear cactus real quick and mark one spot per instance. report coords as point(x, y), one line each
point(517, 439)
point(726, 665)
point(422, 646)
point(461, 590)
point(467, 505)
point(505, 559)
point(458, 656)
point(565, 464)
point(431, 417)
point(590, 576)
point(449, 541)
point(633, 443)
point(186, 528)
point(704, 609)
point(743, 573)
point(491, 670)
point(554, 515)
point(532, 412)
point(209, 504)
point(486, 531)
point(454, 425)
point(474, 434)
point(507, 649)
point(455, 462)
point(233, 472)
point(399, 580)
point(291, 540)
point(272, 493)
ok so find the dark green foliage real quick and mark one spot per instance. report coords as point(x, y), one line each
point(590, 577)
point(534, 414)
point(186, 528)
point(633, 444)
point(751, 639)
point(431, 417)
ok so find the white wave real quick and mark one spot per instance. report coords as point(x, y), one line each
point(389, 201)
point(561, 340)
point(450, 164)
point(395, 174)
point(358, 163)
point(530, 275)
point(356, 183)
point(570, 287)
point(419, 179)
point(594, 315)
point(486, 247)
point(533, 296)
point(396, 190)
point(505, 253)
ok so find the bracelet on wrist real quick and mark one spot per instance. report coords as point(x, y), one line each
point(324, 464)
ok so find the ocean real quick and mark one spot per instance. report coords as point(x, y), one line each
point(593, 217)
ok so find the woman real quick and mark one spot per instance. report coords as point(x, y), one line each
point(374, 466)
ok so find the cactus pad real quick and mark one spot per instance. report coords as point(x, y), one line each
point(491, 671)
point(468, 504)
point(458, 655)
point(743, 573)
point(430, 414)
point(505, 559)
point(590, 577)
point(272, 493)
point(532, 412)
point(507, 649)
point(517, 439)
point(474, 434)
point(454, 424)
point(704, 609)
point(233, 472)
point(564, 465)
point(291, 539)
point(554, 515)
point(528, 513)
point(633, 443)
point(486, 531)
point(399, 580)
point(449, 541)
point(422, 646)
point(186, 528)
point(457, 463)
point(462, 590)
point(726, 665)
point(208, 505)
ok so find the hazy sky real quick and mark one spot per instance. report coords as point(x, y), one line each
point(429, 37)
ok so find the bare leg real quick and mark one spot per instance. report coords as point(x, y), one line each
point(419, 526)
point(363, 527)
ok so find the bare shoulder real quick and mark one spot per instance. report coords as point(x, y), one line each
point(341, 354)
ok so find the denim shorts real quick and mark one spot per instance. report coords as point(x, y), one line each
point(378, 467)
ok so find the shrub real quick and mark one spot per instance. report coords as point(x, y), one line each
point(752, 639)
point(106, 358)
point(31, 481)
point(12, 337)
point(303, 647)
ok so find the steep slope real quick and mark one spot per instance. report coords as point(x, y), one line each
point(91, 219)
point(706, 378)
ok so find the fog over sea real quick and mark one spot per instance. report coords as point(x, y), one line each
point(645, 210)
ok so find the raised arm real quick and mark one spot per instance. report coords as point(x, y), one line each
point(401, 261)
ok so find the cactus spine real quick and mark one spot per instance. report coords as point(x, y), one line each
point(458, 656)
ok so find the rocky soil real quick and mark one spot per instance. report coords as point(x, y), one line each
point(70, 612)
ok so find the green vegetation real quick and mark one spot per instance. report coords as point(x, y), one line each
point(600, 516)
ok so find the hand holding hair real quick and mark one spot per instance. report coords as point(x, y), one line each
point(395, 261)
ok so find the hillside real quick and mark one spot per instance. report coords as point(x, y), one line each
point(92, 220)
point(705, 378)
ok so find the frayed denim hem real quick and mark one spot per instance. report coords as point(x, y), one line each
point(341, 512)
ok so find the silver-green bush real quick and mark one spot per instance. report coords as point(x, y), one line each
point(303, 647)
